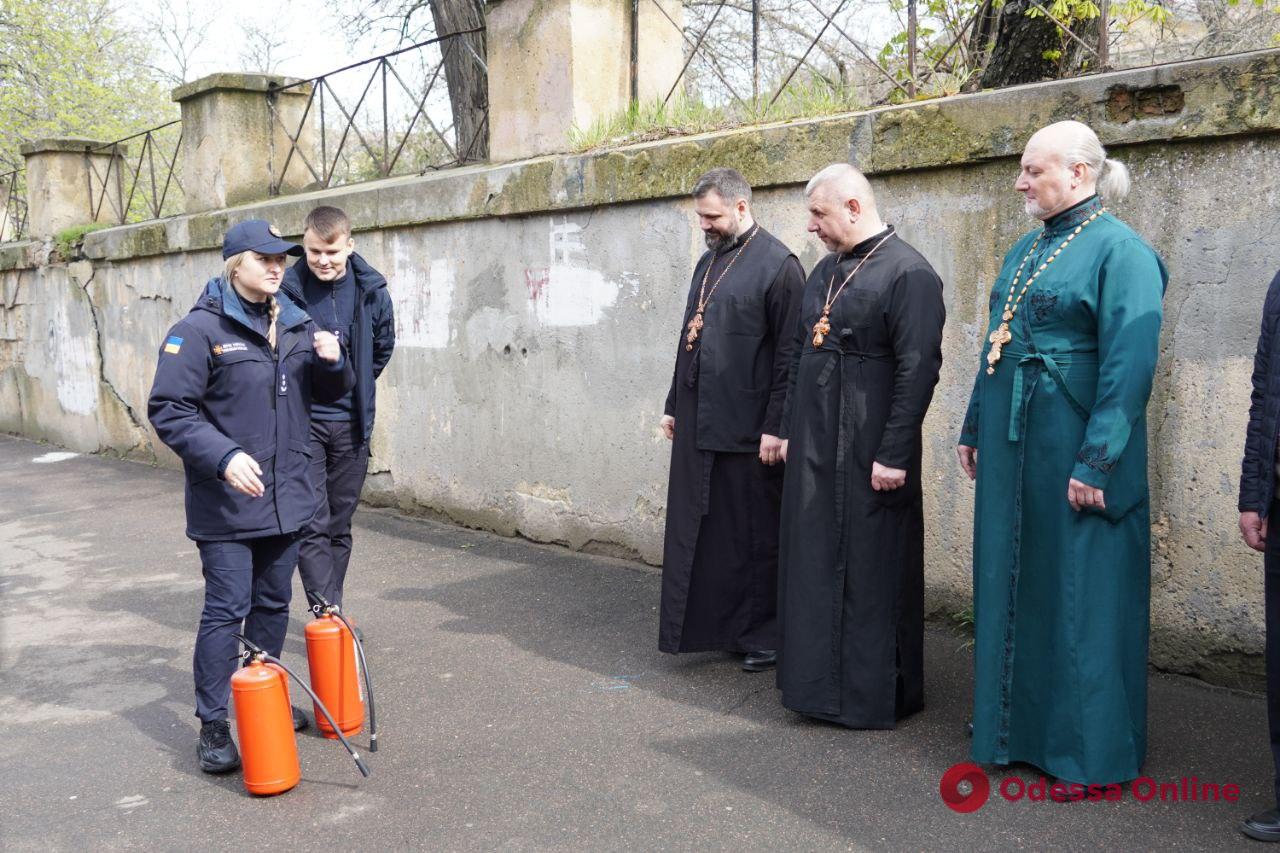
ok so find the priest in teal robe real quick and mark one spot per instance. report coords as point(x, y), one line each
point(1056, 438)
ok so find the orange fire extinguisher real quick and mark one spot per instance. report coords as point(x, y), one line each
point(264, 723)
point(335, 657)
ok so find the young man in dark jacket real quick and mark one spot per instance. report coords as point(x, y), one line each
point(1257, 509)
point(348, 297)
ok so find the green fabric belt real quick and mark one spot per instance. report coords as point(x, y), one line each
point(1050, 364)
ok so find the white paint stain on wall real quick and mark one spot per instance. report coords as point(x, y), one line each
point(422, 301)
point(568, 292)
point(74, 363)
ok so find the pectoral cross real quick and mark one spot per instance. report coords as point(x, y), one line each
point(998, 339)
point(695, 326)
point(821, 329)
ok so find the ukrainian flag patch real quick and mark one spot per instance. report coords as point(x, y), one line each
point(172, 345)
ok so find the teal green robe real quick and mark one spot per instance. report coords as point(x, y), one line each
point(1061, 598)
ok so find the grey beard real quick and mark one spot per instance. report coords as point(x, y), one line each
point(718, 242)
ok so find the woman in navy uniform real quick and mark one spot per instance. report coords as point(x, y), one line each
point(232, 397)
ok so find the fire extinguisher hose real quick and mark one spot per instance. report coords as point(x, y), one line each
point(321, 607)
point(253, 647)
point(368, 686)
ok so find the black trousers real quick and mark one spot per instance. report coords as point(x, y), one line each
point(1271, 568)
point(247, 586)
point(339, 462)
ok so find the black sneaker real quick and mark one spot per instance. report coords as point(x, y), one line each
point(299, 720)
point(217, 752)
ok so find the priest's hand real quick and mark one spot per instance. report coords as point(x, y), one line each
point(1254, 529)
point(1083, 496)
point(885, 479)
point(786, 442)
point(771, 449)
point(968, 460)
point(668, 425)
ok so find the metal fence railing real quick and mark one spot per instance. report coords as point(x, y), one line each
point(384, 116)
point(13, 205)
point(136, 178)
point(750, 54)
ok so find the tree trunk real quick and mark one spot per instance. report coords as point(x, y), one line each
point(1020, 45)
point(466, 77)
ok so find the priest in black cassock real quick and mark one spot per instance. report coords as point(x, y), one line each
point(723, 415)
point(851, 555)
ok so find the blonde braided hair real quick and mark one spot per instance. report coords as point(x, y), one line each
point(274, 312)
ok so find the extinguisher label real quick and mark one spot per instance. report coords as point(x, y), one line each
point(359, 674)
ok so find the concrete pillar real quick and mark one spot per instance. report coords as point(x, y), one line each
point(65, 183)
point(233, 150)
point(554, 64)
point(8, 210)
point(661, 48)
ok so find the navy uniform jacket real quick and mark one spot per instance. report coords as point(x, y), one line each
point(373, 334)
point(219, 388)
point(1258, 471)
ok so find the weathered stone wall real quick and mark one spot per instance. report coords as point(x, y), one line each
point(538, 306)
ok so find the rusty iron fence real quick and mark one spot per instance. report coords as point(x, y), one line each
point(139, 179)
point(13, 205)
point(388, 115)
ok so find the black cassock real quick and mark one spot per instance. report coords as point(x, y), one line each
point(851, 561)
point(720, 556)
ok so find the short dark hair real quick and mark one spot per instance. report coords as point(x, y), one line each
point(327, 222)
point(728, 183)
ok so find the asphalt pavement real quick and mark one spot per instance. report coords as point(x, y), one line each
point(522, 705)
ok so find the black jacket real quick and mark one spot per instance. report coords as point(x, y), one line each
point(220, 388)
point(1258, 472)
point(374, 335)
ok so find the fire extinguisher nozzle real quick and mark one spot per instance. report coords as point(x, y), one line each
point(373, 743)
point(364, 768)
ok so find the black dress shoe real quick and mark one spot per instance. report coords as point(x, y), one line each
point(760, 661)
point(299, 720)
point(968, 729)
point(217, 752)
point(1264, 826)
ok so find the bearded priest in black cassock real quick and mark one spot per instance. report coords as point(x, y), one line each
point(851, 562)
point(723, 415)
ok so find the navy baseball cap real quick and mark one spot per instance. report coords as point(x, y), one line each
point(256, 235)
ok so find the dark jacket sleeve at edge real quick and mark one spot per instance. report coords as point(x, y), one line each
point(1254, 466)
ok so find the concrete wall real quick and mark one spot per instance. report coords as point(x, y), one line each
point(538, 306)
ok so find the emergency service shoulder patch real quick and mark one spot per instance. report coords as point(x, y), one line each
point(229, 347)
point(173, 345)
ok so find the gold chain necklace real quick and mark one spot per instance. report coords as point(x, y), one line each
point(1002, 335)
point(696, 324)
point(822, 328)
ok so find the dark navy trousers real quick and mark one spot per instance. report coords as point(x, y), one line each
point(247, 587)
point(1271, 568)
point(339, 460)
